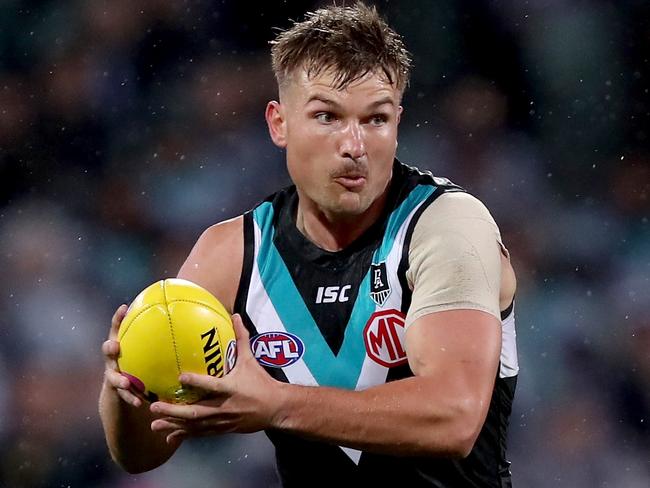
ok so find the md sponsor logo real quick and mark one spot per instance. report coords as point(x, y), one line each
point(277, 349)
point(384, 338)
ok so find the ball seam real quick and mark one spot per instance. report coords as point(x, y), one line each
point(198, 302)
point(128, 326)
point(171, 328)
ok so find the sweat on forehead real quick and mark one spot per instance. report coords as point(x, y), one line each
point(346, 42)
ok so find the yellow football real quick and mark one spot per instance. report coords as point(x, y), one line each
point(174, 326)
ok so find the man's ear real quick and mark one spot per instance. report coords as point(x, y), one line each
point(274, 115)
point(400, 109)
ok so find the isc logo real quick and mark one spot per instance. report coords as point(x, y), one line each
point(331, 294)
point(277, 349)
point(384, 338)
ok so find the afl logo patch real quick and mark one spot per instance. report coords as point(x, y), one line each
point(277, 349)
point(384, 338)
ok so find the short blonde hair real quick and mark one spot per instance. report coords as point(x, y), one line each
point(349, 42)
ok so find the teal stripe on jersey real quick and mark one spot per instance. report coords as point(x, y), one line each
point(343, 370)
point(327, 369)
point(397, 218)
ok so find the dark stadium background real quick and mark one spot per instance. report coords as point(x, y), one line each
point(127, 126)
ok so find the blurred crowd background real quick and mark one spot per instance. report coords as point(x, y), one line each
point(128, 126)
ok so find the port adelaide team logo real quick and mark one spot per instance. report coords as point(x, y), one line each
point(277, 349)
point(379, 287)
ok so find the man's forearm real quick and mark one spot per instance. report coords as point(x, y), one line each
point(407, 417)
point(131, 442)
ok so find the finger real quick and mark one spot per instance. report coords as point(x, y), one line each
point(176, 438)
point(168, 424)
point(118, 316)
point(203, 381)
point(111, 348)
point(185, 430)
point(165, 409)
point(240, 329)
point(171, 424)
point(179, 411)
point(123, 387)
point(116, 379)
point(243, 337)
point(129, 397)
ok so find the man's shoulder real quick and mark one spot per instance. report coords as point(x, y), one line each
point(223, 242)
point(458, 204)
point(224, 232)
point(215, 262)
point(452, 215)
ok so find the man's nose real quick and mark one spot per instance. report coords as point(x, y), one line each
point(352, 142)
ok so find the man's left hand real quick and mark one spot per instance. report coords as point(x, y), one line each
point(245, 400)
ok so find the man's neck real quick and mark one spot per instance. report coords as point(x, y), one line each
point(335, 232)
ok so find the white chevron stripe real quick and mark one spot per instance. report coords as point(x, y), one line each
point(266, 319)
point(509, 361)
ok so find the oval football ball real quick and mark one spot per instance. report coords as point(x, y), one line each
point(174, 326)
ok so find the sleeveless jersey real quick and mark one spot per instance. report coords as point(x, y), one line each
point(337, 319)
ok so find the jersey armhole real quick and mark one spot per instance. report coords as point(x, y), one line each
point(247, 266)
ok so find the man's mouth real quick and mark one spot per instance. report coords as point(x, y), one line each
point(351, 181)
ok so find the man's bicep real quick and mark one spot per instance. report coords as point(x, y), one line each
point(461, 347)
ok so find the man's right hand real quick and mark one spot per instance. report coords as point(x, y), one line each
point(111, 350)
point(125, 418)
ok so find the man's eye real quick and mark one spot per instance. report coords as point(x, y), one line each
point(325, 117)
point(378, 119)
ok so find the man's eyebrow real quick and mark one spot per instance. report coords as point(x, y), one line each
point(382, 101)
point(328, 101)
point(322, 98)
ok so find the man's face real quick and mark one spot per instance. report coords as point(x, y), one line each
point(340, 143)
